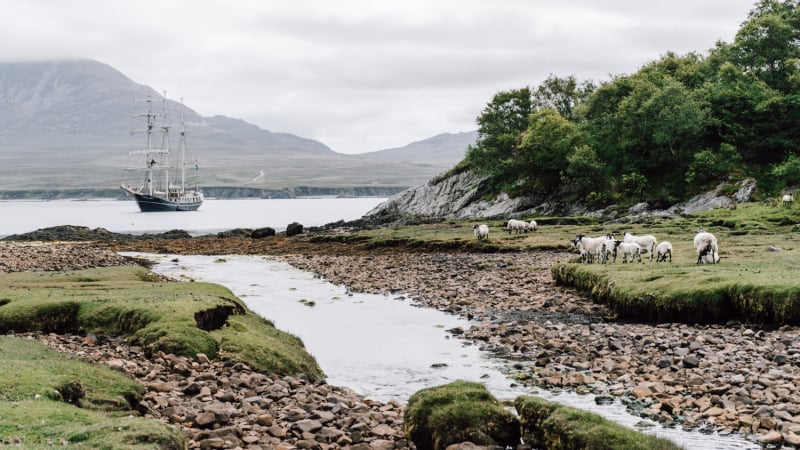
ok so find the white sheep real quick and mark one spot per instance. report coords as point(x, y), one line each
point(516, 226)
point(481, 231)
point(532, 225)
point(646, 241)
point(590, 247)
point(663, 249)
point(788, 199)
point(631, 249)
point(707, 248)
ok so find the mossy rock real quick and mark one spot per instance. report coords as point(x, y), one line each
point(553, 426)
point(460, 411)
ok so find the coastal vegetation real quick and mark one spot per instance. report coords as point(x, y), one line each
point(48, 399)
point(550, 425)
point(678, 126)
point(755, 281)
point(180, 318)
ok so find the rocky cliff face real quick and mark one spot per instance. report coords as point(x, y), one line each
point(460, 197)
point(454, 197)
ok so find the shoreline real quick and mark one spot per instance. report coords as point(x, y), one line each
point(734, 379)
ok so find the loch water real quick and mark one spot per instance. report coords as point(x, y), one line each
point(123, 216)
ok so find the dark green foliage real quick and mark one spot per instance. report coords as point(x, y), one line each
point(678, 125)
point(556, 427)
point(460, 411)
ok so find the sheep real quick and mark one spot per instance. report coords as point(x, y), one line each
point(647, 242)
point(590, 247)
point(707, 248)
point(532, 225)
point(608, 249)
point(481, 231)
point(515, 225)
point(663, 249)
point(788, 199)
point(627, 248)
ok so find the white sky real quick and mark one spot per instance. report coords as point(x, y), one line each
point(360, 75)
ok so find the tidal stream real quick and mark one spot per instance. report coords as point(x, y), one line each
point(385, 347)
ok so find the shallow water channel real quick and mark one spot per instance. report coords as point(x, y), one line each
point(384, 347)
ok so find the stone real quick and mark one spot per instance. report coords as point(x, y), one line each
point(771, 438)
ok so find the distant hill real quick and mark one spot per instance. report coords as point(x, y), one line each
point(444, 149)
point(67, 123)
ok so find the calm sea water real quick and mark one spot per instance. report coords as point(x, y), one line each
point(215, 215)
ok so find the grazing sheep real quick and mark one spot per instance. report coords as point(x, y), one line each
point(663, 249)
point(532, 225)
point(707, 248)
point(646, 241)
point(481, 231)
point(516, 226)
point(627, 248)
point(788, 199)
point(608, 248)
point(590, 247)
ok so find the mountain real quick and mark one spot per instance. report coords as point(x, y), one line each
point(444, 149)
point(66, 123)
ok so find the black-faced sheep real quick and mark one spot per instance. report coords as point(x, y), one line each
point(707, 248)
point(646, 241)
point(590, 247)
point(631, 249)
point(788, 199)
point(481, 231)
point(663, 249)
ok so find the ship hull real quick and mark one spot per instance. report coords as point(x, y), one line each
point(149, 203)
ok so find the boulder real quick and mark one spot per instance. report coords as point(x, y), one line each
point(294, 229)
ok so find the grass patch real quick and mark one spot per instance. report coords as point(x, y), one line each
point(51, 399)
point(751, 284)
point(460, 411)
point(161, 316)
point(549, 425)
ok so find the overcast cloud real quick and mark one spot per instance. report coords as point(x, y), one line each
point(360, 75)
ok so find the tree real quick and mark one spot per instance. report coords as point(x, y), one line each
point(767, 43)
point(562, 94)
point(543, 150)
point(584, 172)
point(499, 126)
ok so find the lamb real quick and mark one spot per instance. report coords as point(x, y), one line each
point(590, 247)
point(646, 241)
point(515, 225)
point(707, 247)
point(532, 225)
point(663, 249)
point(481, 231)
point(788, 199)
point(627, 248)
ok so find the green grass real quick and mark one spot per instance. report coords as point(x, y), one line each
point(161, 316)
point(751, 283)
point(550, 425)
point(456, 412)
point(37, 411)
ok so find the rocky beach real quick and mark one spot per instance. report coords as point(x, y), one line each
point(730, 378)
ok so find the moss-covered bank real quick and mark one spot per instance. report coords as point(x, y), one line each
point(553, 426)
point(180, 318)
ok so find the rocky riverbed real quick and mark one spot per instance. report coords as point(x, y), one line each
point(731, 378)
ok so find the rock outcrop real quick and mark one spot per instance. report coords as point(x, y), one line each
point(459, 196)
point(463, 196)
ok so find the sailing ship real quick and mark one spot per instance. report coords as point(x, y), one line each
point(164, 185)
